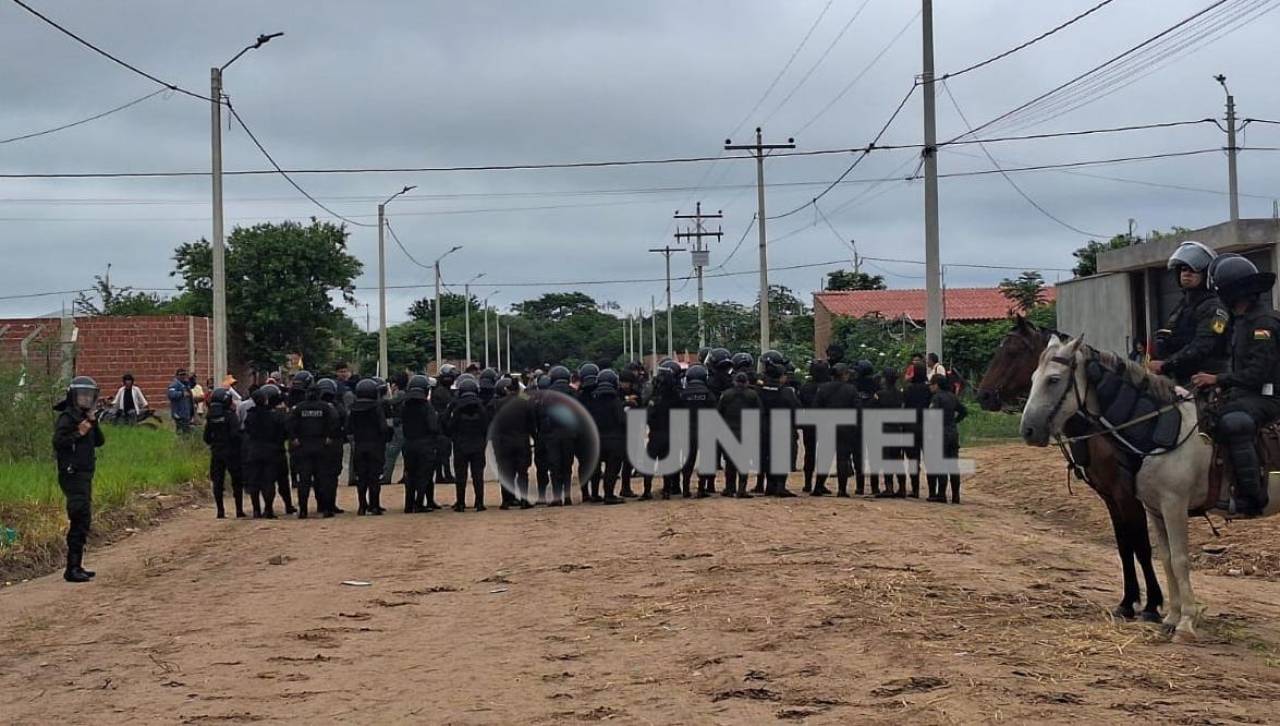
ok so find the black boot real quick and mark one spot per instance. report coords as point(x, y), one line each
point(362, 496)
point(73, 573)
point(1250, 498)
point(302, 506)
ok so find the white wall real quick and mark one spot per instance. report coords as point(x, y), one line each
point(1100, 309)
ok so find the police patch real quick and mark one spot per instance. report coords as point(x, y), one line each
point(1218, 326)
point(1261, 334)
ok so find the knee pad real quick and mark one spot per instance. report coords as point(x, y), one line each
point(1237, 425)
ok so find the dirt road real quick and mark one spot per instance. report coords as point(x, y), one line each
point(717, 611)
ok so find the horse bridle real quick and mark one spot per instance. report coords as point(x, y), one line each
point(1013, 334)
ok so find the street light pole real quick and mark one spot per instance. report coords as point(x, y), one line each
point(466, 316)
point(486, 332)
point(382, 281)
point(218, 245)
point(455, 248)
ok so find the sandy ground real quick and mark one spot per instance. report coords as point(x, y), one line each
point(717, 611)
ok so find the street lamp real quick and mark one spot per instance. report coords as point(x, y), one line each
point(466, 293)
point(382, 281)
point(218, 246)
point(453, 249)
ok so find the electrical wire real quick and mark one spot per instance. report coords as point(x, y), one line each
point(857, 77)
point(108, 56)
point(804, 78)
point(403, 249)
point(1029, 43)
point(236, 115)
point(865, 153)
point(946, 86)
point(83, 121)
point(745, 232)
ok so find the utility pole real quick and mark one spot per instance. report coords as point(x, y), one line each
point(497, 337)
point(639, 347)
point(653, 331)
point(758, 149)
point(666, 252)
point(486, 332)
point(1233, 186)
point(932, 256)
point(439, 353)
point(466, 315)
point(508, 347)
point(626, 325)
point(382, 280)
point(700, 256)
point(218, 245)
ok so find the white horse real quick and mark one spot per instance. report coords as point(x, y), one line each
point(1168, 483)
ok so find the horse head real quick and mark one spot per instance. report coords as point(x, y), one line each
point(1051, 403)
point(1008, 376)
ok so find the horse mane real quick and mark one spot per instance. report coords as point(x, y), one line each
point(1163, 389)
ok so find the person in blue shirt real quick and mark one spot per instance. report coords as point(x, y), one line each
point(181, 406)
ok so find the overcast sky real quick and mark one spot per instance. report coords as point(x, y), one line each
point(411, 83)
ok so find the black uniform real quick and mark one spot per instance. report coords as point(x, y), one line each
point(808, 394)
point(890, 397)
point(77, 457)
point(467, 425)
point(313, 427)
point(332, 471)
point(441, 397)
point(511, 447)
point(840, 395)
point(422, 430)
point(588, 473)
point(775, 397)
point(265, 430)
point(868, 388)
point(370, 433)
point(1249, 399)
point(664, 397)
point(696, 396)
point(393, 405)
point(630, 399)
point(731, 405)
point(916, 397)
point(610, 416)
point(560, 439)
point(222, 435)
point(1197, 336)
point(953, 412)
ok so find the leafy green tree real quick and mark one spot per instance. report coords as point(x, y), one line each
point(556, 305)
point(451, 305)
point(1026, 292)
point(847, 280)
point(280, 282)
point(119, 301)
point(1087, 256)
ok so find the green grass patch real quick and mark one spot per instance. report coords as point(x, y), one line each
point(988, 426)
point(134, 460)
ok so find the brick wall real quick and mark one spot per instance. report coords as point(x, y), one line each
point(150, 347)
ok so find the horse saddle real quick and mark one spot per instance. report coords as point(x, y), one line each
point(1222, 479)
point(1123, 402)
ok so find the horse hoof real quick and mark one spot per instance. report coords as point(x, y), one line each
point(1168, 628)
point(1122, 612)
point(1184, 637)
point(1149, 616)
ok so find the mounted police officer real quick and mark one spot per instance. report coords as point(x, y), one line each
point(1250, 386)
point(1195, 338)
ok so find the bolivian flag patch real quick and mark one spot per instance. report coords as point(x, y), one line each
point(1262, 334)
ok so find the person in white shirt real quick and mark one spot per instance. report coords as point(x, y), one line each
point(129, 401)
point(935, 367)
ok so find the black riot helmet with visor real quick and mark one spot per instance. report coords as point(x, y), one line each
point(83, 392)
point(1236, 279)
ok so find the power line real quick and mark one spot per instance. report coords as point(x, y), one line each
point(785, 66)
point(44, 294)
point(108, 56)
point(804, 78)
point(82, 121)
point(1029, 43)
point(236, 114)
point(1074, 164)
point(400, 244)
point(745, 232)
point(946, 86)
point(865, 152)
point(892, 42)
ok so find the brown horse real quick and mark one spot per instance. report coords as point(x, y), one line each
point(1008, 379)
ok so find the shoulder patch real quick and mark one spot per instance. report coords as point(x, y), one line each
point(1218, 326)
point(1262, 334)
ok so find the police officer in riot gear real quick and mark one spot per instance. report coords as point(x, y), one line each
point(629, 393)
point(609, 413)
point(1195, 338)
point(265, 431)
point(588, 377)
point(776, 397)
point(467, 425)
point(313, 427)
point(370, 433)
point(696, 396)
point(819, 375)
point(1250, 386)
point(731, 406)
point(558, 435)
point(511, 444)
point(441, 397)
point(331, 469)
point(838, 394)
point(76, 437)
point(222, 436)
point(719, 364)
point(421, 428)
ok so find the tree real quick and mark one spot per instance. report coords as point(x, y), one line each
point(280, 279)
point(1087, 256)
point(1026, 292)
point(556, 305)
point(119, 301)
point(846, 280)
point(451, 305)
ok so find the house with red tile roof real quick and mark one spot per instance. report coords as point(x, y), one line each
point(959, 304)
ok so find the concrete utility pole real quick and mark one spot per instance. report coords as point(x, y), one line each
point(700, 255)
point(453, 249)
point(653, 331)
point(1233, 186)
point(640, 326)
point(497, 337)
point(758, 149)
point(932, 258)
point(218, 245)
point(486, 332)
point(666, 252)
point(382, 281)
point(508, 347)
point(626, 324)
point(466, 315)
